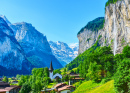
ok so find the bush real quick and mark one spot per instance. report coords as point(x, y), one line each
point(26, 88)
point(105, 80)
point(122, 77)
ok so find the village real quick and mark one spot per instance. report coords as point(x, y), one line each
point(11, 85)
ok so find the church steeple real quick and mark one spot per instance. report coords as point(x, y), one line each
point(51, 67)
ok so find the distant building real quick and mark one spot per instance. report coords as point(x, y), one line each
point(15, 82)
point(1, 79)
point(60, 88)
point(6, 88)
point(64, 88)
point(4, 85)
point(75, 78)
point(57, 75)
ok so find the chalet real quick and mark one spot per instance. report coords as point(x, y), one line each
point(15, 82)
point(4, 85)
point(6, 88)
point(64, 88)
point(1, 79)
point(57, 75)
point(75, 78)
point(49, 90)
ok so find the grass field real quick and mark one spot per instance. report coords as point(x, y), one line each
point(105, 88)
point(51, 85)
point(91, 87)
point(86, 86)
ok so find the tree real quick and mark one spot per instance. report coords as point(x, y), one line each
point(94, 71)
point(56, 71)
point(5, 79)
point(126, 51)
point(23, 79)
point(122, 77)
point(37, 86)
point(18, 76)
point(26, 88)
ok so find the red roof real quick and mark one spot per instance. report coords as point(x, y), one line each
point(9, 88)
point(60, 84)
point(67, 87)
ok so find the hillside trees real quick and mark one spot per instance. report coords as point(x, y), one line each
point(94, 25)
point(5, 79)
point(111, 2)
point(36, 81)
point(98, 63)
point(122, 75)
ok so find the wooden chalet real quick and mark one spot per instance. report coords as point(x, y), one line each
point(6, 88)
point(75, 78)
point(64, 88)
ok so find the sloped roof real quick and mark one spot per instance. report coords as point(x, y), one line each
point(66, 87)
point(60, 84)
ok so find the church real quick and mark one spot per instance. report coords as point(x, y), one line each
point(57, 75)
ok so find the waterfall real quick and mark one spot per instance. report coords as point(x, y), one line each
point(115, 31)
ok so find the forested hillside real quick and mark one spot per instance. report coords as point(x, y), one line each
point(80, 58)
point(100, 65)
point(94, 25)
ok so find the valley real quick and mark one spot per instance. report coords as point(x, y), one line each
point(100, 63)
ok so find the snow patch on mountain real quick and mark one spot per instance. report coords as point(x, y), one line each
point(63, 52)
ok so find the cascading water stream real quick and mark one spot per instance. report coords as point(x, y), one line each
point(115, 31)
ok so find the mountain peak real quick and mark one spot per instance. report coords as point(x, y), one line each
point(63, 52)
point(6, 20)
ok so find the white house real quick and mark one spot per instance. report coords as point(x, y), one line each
point(51, 73)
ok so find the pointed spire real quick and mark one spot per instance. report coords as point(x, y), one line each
point(51, 67)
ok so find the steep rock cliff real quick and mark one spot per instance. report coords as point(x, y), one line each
point(116, 30)
point(35, 45)
point(117, 25)
point(11, 53)
point(89, 34)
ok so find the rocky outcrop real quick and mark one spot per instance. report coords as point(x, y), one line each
point(117, 25)
point(35, 45)
point(116, 31)
point(89, 34)
point(64, 53)
point(11, 53)
point(86, 39)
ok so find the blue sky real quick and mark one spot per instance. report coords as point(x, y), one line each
point(59, 20)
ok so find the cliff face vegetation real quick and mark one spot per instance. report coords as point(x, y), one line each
point(116, 30)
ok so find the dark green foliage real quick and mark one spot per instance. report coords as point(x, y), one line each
point(65, 78)
point(38, 80)
point(94, 25)
point(94, 71)
point(79, 59)
point(126, 51)
point(111, 2)
point(23, 79)
point(98, 64)
point(5, 79)
point(122, 67)
point(18, 77)
point(122, 77)
point(56, 71)
point(26, 88)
